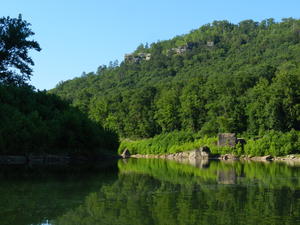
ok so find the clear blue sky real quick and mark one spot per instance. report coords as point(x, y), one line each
point(80, 35)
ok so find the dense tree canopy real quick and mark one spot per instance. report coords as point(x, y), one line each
point(222, 77)
point(34, 122)
point(14, 45)
point(37, 122)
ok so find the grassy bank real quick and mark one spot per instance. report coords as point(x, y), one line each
point(273, 143)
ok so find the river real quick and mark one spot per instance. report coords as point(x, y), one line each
point(150, 192)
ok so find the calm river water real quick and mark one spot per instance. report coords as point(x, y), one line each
point(150, 192)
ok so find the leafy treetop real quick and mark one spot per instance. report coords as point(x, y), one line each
point(14, 45)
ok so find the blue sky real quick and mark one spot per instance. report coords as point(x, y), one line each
point(80, 35)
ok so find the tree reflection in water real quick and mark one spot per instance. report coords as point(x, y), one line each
point(153, 191)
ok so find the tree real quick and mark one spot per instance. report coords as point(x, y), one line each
point(246, 83)
point(14, 45)
point(192, 109)
point(167, 114)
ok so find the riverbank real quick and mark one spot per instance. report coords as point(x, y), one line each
point(50, 159)
point(206, 153)
point(193, 155)
point(274, 144)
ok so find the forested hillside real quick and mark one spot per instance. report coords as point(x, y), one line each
point(222, 77)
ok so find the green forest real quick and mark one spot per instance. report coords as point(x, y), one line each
point(36, 122)
point(223, 77)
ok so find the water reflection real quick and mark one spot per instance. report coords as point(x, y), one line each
point(154, 191)
point(227, 177)
point(35, 196)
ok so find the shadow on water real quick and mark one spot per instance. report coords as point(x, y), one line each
point(32, 195)
point(155, 191)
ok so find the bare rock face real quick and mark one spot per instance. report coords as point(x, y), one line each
point(125, 154)
point(227, 139)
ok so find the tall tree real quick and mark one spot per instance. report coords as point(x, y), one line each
point(14, 45)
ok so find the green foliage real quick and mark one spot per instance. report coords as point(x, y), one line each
point(242, 78)
point(274, 143)
point(37, 122)
point(160, 144)
point(173, 142)
point(14, 45)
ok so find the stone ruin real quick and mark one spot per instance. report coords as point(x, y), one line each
point(229, 139)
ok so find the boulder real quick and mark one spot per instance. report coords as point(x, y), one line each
point(267, 158)
point(205, 152)
point(125, 154)
point(229, 157)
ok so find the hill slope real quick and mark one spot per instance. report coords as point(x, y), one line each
point(221, 77)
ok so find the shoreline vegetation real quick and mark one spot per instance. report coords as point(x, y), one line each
point(272, 145)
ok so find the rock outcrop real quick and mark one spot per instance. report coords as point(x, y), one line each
point(228, 157)
point(201, 153)
point(267, 158)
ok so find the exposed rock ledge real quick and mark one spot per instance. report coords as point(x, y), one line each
point(204, 153)
point(201, 153)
